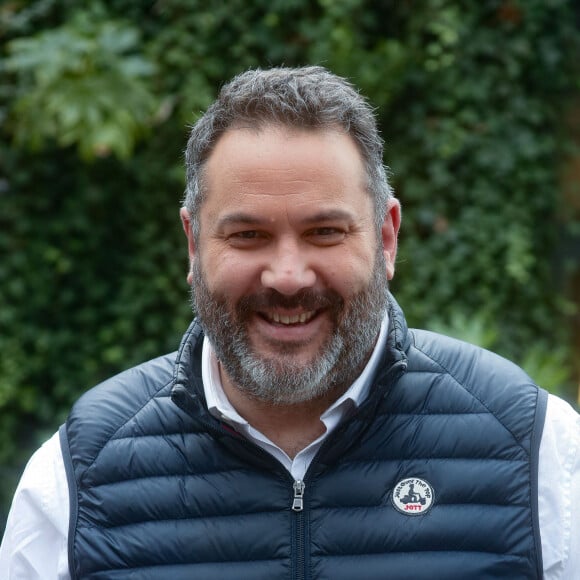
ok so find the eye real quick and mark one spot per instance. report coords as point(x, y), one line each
point(327, 235)
point(247, 235)
point(246, 238)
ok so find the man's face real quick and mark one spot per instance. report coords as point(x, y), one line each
point(289, 277)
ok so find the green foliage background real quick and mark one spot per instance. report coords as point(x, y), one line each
point(95, 99)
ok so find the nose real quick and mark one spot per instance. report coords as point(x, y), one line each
point(288, 270)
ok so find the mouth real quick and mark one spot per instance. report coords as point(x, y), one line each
point(289, 319)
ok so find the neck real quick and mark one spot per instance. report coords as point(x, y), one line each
point(290, 427)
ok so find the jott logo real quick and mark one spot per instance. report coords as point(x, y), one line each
point(413, 496)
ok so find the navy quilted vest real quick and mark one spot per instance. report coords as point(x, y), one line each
point(162, 490)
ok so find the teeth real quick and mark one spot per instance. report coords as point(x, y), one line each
point(295, 318)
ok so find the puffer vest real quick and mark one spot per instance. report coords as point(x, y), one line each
point(434, 477)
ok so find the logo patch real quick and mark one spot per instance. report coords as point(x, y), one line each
point(413, 496)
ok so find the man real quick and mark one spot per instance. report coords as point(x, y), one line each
point(301, 431)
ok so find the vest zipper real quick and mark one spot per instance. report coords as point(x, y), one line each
point(299, 531)
point(298, 503)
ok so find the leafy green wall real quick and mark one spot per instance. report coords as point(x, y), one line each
point(95, 99)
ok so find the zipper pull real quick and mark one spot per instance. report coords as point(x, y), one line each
point(298, 503)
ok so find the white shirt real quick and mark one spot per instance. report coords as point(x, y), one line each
point(35, 543)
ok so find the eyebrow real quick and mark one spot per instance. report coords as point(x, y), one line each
point(240, 218)
point(329, 216)
point(237, 218)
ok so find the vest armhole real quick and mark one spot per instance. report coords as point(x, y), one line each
point(538, 429)
point(72, 494)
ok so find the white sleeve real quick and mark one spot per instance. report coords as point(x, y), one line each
point(34, 546)
point(559, 492)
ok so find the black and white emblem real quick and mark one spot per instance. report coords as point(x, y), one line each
point(413, 496)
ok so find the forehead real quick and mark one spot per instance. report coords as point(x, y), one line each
point(278, 160)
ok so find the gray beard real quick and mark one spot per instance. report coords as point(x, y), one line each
point(277, 380)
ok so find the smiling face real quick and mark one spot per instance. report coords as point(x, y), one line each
point(289, 276)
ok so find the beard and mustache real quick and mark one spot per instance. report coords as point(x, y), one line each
point(277, 379)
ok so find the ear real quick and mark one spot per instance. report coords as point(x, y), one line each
point(186, 222)
point(389, 232)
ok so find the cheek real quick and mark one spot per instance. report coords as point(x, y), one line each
point(348, 273)
point(230, 275)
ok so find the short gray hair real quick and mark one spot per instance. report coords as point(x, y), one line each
point(309, 98)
